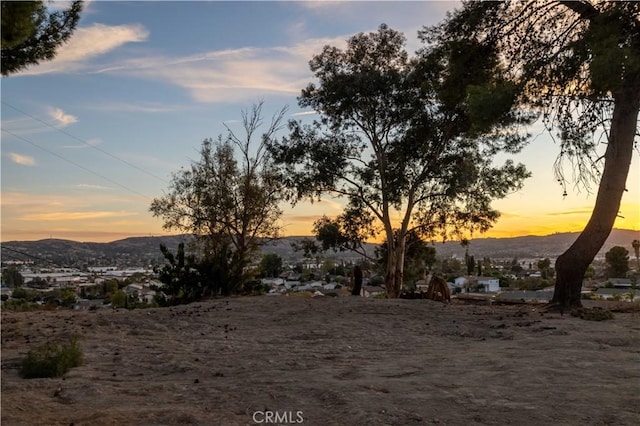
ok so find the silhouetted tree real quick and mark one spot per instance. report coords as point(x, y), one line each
point(617, 259)
point(397, 142)
point(229, 199)
point(30, 33)
point(578, 64)
point(271, 265)
point(543, 267)
point(12, 276)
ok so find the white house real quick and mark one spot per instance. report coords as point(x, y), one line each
point(140, 292)
point(372, 290)
point(486, 284)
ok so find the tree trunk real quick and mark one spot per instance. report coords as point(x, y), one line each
point(390, 276)
point(399, 275)
point(395, 267)
point(573, 263)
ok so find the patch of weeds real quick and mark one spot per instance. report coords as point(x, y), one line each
point(51, 359)
point(19, 305)
point(593, 314)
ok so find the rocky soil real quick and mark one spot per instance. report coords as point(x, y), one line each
point(327, 361)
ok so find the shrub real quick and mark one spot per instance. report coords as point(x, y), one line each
point(593, 314)
point(19, 305)
point(51, 360)
point(19, 293)
point(119, 299)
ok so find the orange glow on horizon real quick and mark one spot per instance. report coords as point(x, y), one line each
point(509, 225)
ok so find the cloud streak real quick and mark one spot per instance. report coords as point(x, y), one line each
point(88, 43)
point(23, 160)
point(65, 216)
point(91, 187)
point(230, 75)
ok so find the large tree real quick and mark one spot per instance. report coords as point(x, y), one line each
point(31, 33)
point(578, 64)
point(229, 199)
point(400, 144)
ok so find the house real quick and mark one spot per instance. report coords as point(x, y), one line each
point(140, 293)
point(620, 282)
point(372, 290)
point(422, 285)
point(272, 282)
point(485, 284)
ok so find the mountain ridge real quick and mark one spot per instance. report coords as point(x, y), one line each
point(144, 251)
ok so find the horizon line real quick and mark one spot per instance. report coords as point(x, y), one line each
point(308, 236)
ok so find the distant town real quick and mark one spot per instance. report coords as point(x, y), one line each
point(33, 274)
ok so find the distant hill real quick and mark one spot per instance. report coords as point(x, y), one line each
point(134, 251)
point(533, 246)
point(142, 251)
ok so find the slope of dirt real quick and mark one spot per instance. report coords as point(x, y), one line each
point(327, 361)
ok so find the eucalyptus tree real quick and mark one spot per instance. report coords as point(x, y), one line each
point(399, 145)
point(229, 199)
point(578, 64)
point(31, 33)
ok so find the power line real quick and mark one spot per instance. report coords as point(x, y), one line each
point(77, 165)
point(85, 142)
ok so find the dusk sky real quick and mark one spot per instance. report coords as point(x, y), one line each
point(90, 138)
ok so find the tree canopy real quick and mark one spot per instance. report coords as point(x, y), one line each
point(402, 147)
point(577, 63)
point(30, 33)
point(229, 199)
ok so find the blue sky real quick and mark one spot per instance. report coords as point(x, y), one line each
point(90, 138)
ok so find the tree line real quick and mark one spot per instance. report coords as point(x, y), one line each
point(411, 142)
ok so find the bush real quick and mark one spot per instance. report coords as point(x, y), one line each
point(51, 360)
point(119, 299)
point(19, 293)
point(19, 305)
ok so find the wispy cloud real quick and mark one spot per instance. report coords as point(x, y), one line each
point(64, 216)
point(88, 43)
point(62, 118)
point(230, 75)
point(24, 160)
point(90, 143)
point(130, 107)
point(21, 203)
point(579, 211)
point(91, 187)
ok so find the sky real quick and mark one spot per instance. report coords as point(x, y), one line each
point(90, 138)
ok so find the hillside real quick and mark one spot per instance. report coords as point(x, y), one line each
point(141, 251)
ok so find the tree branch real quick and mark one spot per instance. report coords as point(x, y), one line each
point(583, 8)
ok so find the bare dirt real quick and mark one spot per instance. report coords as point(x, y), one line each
point(327, 361)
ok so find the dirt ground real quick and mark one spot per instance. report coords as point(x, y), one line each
point(327, 361)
